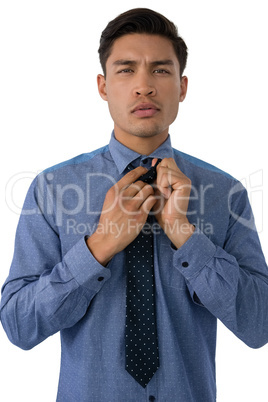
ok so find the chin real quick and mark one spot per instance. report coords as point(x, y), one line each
point(145, 132)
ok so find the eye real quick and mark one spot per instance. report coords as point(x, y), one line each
point(125, 71)
point(161, 71)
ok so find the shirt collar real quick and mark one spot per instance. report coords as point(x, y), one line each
point(123, 156)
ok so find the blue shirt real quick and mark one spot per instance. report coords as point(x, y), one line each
point(55, 284)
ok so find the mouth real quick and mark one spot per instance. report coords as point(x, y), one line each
point(145, 110)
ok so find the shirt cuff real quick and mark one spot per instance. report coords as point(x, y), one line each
point(86, 270)
point(194, 254)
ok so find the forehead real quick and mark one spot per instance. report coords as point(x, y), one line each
point(142, 46)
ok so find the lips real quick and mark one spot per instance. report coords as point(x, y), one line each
point(145, 110)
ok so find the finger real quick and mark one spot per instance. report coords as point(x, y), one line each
point(169, 163)
point(154, 161)
point(131, 177)
point(168, 175)
point(132, 204)
point(132, 189)
point(166, 165)
point(148, 204)
point(164, 181)
point(142, 195)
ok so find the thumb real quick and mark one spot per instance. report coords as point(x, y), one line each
point(154, 161)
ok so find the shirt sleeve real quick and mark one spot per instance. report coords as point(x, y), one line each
point(46, 292)
point(230, 281)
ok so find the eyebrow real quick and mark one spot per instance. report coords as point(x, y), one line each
point(167, 62)
point(123, 62)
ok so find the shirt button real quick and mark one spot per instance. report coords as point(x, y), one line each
point(100, 278)
point(151, 398)
point(145, 161)
point(185, 264)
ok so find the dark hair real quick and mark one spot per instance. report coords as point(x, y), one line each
point(141, 20)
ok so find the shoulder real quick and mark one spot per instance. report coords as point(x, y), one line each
point(79, 160)
point(72, 171)
point(193, 164)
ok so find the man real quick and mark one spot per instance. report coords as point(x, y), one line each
point(207, 260)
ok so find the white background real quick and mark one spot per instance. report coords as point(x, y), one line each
point(51, 111)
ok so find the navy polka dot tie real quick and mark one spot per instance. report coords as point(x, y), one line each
point(142, 358)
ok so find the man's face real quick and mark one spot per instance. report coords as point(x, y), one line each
point(142, 86)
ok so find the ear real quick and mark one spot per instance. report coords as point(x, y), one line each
point(101, 81)
point(184, 86)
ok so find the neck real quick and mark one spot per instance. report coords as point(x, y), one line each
point(141, 145)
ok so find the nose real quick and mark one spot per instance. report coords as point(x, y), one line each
point(146, 92)
point(144, 86)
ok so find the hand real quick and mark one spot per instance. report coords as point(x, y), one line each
point(124, 212)
point(172, 189)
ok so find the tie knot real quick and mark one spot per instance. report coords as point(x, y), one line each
point(143, 161)
point(146, 162)
point(150, 176)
